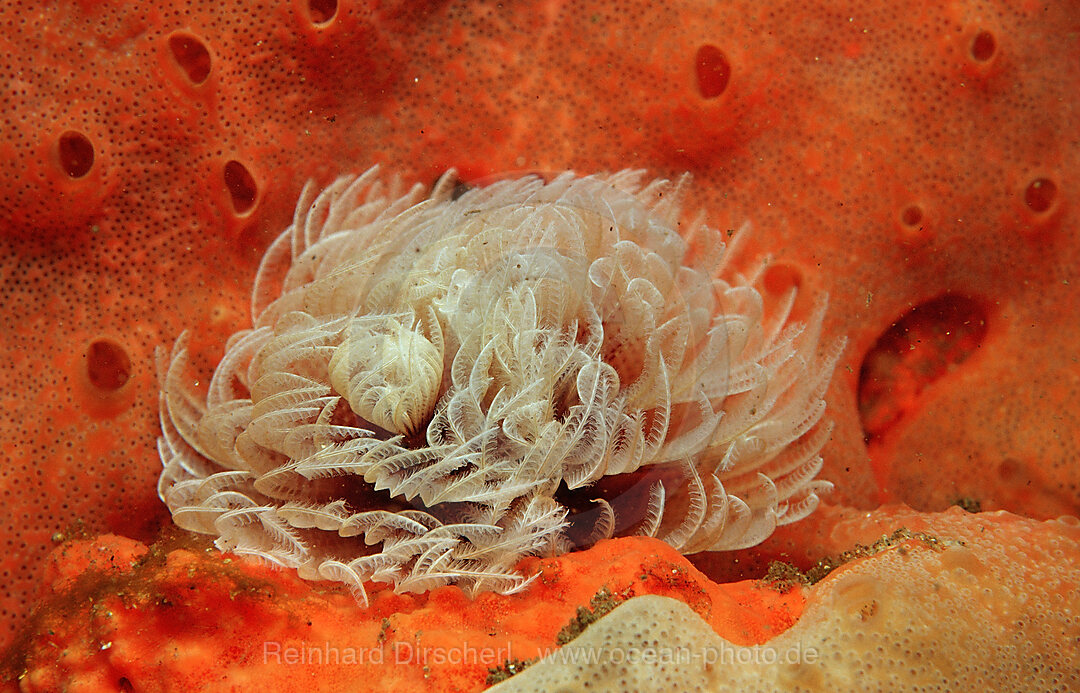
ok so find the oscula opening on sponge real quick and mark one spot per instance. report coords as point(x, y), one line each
point(435, 387)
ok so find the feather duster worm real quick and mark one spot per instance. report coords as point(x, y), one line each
point(434, 388)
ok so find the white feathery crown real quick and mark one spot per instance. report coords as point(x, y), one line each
point(436, 386)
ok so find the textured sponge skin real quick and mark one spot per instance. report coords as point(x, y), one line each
point(975, 612)
point(888, 154)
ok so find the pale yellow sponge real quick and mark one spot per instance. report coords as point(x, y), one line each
point(973, 603)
